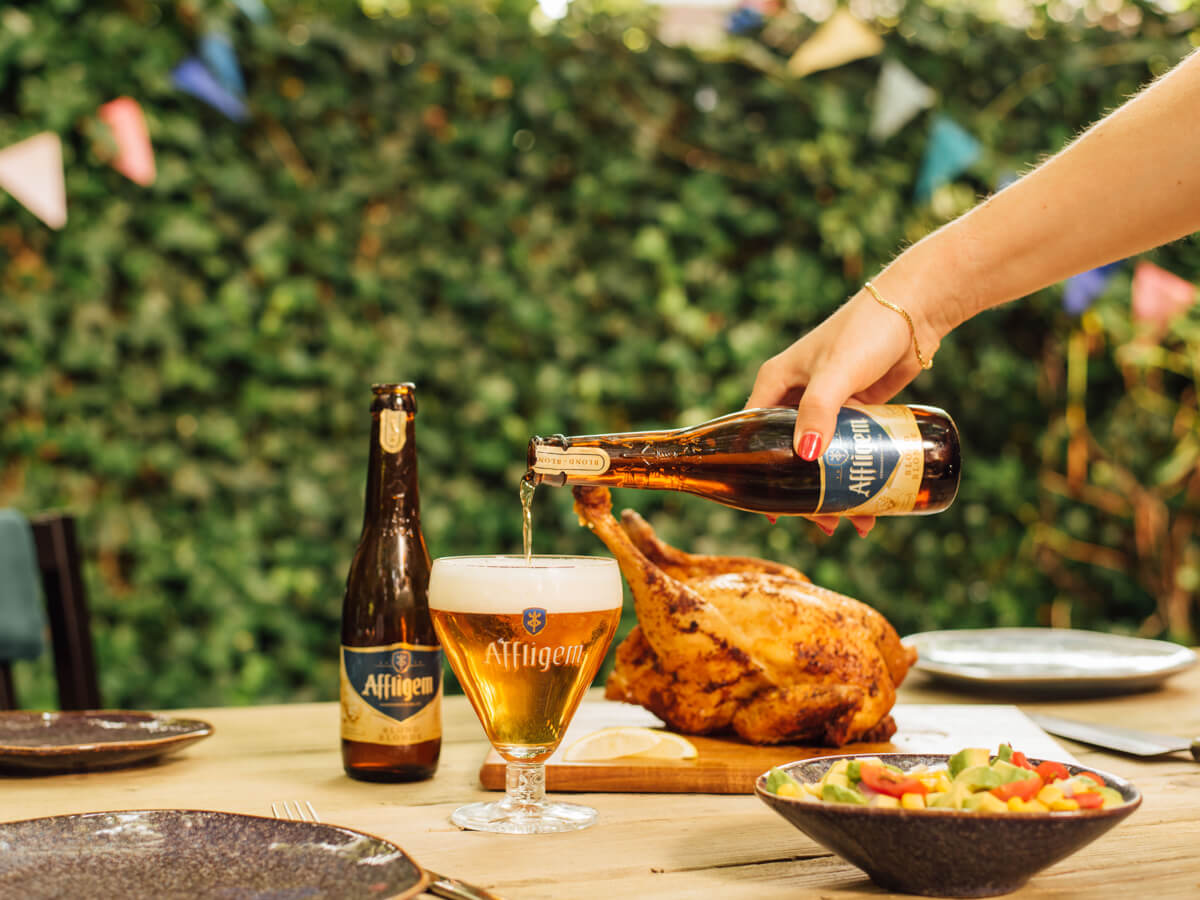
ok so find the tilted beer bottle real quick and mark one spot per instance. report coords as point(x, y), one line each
point(391, 663)
point(881, 461)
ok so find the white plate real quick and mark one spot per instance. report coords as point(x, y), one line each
point(1048, 660)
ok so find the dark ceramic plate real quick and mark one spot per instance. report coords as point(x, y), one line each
point(176, 853)
point(70, 741)
point(945, 853)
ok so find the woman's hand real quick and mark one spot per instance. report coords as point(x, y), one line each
point(861, 353)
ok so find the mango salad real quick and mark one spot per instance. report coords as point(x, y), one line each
point(973, 780)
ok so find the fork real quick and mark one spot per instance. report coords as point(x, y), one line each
point(439, 885)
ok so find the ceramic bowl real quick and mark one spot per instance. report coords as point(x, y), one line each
point(945, 853)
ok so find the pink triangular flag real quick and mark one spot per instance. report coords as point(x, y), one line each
point(32, 171)
point(1159, 295)
point(135, 156)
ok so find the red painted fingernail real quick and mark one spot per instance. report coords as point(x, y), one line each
point(810, 445)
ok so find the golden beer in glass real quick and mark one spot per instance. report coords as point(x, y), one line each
point(525, 640)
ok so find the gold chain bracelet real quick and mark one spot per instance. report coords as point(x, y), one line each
point(912, 329)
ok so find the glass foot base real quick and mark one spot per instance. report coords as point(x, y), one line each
point(504, 817)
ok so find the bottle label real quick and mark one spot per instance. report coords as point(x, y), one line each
point(392, 430)
point(391, 695)
point(874, 463)
point(574, 461)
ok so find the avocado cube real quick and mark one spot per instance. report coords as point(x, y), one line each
point(835, 793)
point(979, 778)
point(984, 802)
point(968, 758)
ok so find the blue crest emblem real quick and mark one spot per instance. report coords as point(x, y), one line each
point(837, 455)
point(401, 660)
point(534, 619)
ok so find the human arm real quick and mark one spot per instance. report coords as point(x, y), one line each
point(1129, 183)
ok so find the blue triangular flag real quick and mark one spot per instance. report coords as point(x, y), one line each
point(1082, 290)
point(950, 151)
point(744, 20)
point(193, 76)
point(254, 10)
point(217, 53)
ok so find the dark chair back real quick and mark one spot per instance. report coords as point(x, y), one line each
point(67, 611)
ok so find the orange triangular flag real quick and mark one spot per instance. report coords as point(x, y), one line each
point(135, 156)
point(32, 171)
point(1158, 295)
point(840, 39)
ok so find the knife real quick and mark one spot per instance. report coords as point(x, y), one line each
point(1123, 740)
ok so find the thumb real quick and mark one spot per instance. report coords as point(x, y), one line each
point(816, 418)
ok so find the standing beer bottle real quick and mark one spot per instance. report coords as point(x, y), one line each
point(881, 461)
point(391, 662)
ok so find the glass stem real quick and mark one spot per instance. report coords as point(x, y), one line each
point(525, 785)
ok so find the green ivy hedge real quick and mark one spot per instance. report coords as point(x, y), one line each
point(545, 232)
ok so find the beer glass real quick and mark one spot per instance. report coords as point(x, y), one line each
point(525, 640)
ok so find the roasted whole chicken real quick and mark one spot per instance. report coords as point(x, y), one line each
point(734, 643)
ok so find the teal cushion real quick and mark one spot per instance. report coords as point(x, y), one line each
point(22, 613)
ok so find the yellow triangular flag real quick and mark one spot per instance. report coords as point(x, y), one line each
point(841, 39)
point(32, 171)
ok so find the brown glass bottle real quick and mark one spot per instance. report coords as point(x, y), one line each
point(882, 460)
point(391, 662)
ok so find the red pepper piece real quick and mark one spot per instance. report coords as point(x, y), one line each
point(1052, 771)
point(1019, 759)
point(1092, 775)
point(893, 784)
point(1088, 800)
point(1026, 789)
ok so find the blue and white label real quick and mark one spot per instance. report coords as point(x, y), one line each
point(873, 464)
point(391, 694)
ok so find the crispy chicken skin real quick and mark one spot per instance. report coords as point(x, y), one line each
point(748, 645)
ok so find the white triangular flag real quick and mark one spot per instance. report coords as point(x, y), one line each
point(32, 171)
point(839, 40)
point(899, 96)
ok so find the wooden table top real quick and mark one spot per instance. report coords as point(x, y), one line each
point(644, 845)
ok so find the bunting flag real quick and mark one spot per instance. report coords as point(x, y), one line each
point(193, 77)
point(217, 53)
point(32, 171)
point(899, 96)
point(1158, 295)
point(744, 20)
point(701, 28)
point(841, 39)
point(254, 10)
point(1006, 178)
point(1082, 290)
point(135, 156)
point(949, 153)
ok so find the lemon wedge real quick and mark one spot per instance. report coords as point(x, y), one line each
point(625, 742)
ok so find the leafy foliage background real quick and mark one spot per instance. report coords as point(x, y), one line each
point(547, 232)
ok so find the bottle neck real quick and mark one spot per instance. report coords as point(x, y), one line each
point(659, 459)
point(392, 498)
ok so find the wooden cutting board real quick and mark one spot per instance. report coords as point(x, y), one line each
point(730, 766)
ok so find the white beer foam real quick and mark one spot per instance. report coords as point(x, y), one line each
point(506, 585)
